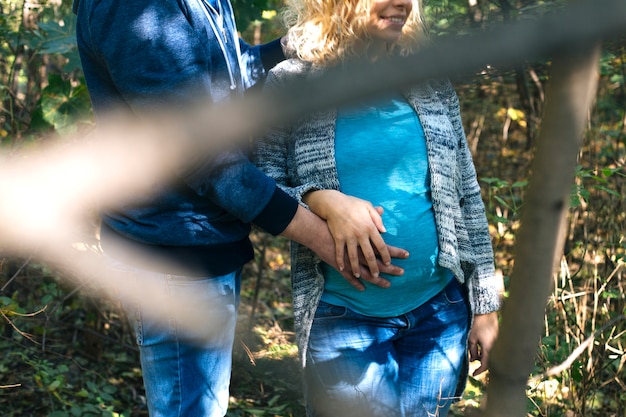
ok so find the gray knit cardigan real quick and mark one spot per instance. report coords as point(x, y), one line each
point(301, 158)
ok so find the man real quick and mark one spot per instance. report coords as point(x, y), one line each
point(139, 55)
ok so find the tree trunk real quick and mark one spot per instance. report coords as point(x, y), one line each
point(540, 239)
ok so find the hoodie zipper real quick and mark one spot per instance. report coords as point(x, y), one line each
point(220, 34)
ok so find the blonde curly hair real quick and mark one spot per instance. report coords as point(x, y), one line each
point(326, 32)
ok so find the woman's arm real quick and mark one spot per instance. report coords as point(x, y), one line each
point(356, 226)
point(487, 285)
point(309, 230)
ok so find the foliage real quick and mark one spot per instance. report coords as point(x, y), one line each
point(251, 15)
point(41, 86)
point(70, 353)
point(458, 17)
point(49, 368)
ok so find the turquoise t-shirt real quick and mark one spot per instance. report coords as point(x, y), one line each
point(381, 157)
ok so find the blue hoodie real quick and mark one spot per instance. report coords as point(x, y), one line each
point(142, 54)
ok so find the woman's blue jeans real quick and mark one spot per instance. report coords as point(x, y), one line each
point(406, 366)
point(186, 372)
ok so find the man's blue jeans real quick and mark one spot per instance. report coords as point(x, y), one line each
point(186, 373)
point(408, 365)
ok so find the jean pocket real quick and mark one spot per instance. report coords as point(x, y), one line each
point(329, 311)
point(455, 292)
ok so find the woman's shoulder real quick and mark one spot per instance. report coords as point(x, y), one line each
point(289, 71)
point(439, 86)
point(443, 87)
point(291, 67)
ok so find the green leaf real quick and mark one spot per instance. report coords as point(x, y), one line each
point(501, 201)
point(255, 412)
point(273, 400)
point(608, 172)
point(107, 398)
point(499, 219)
point(92, 387)
point(61, 104)
point(54, 385)
point(495, 182)
point(83, 393)
point(607, 190)
point(57, 37)
point(109, 389)
point(6, 301)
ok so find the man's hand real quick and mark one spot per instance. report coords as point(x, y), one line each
point(482, 336)
point(365, 274)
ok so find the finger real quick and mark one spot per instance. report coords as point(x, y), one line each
point(396, 252)
point(375, 214)
point(482, 368)
point(353, 280)
point(353, 259)
point(339, 255)
point(369, 256)
point(483, 357)
point(484, 364)
point(378, 281)
point(391, 269)
point(473, 350)
point(380, 246)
